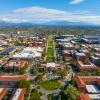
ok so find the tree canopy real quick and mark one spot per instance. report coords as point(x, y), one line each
point(71, 93)
point(23, 84)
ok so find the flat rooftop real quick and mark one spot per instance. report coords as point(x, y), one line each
point(8, 50)
point(16, 95)
point(80, 54)
point(1, 89)
point(68, 45)
point(92, 89)
point(68, 35)
point(94, 96)
point(22, 55)
point(83, 51)
point(32, 49)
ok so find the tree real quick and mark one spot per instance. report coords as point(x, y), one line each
point(38, 78)
point(73, 82)
point(61, 73)
point(71, 93)
point(73, 61)
point(84, 73)
point(96, 73)
point(23, 84)
point(67, 67)
point(22, 71)
point(34, 70)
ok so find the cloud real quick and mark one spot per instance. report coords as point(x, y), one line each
point(76, 1)
point(42, 15)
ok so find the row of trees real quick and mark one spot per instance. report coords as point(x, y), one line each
point(23, 70)
point(93, 73)
point(61, 73)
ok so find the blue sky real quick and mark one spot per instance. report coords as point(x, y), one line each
point(41, 11)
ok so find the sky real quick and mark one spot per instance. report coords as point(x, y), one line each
point(42, 11)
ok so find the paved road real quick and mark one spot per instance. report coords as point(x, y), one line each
point(46, 51)
point(54, 50)
point(28, 72)
point(46, 92)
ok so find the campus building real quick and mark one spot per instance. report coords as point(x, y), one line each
point(8, 51)
point(66, 54)
point(14, 65)
point(10, 80)
point(50, 66)
point(80, 56)
point(3, 92)
point(18, 94)
point(89, 86)
point(86, 66)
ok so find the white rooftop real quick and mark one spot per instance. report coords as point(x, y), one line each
point(32, 49)
point(68, 45)
point(1, 89)
point(23, 55)
point(94, 96)
point(92, 89)
point(29, 52)
point(17, 94)
point(50, 64)
point(81, 54)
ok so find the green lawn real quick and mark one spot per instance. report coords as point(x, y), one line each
point(50, 59)
point(50, 52)
point(34, 95)
point(50, 96)
point(50, 84)
point(50, 44)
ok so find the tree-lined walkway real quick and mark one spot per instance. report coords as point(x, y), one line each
point(50, 50)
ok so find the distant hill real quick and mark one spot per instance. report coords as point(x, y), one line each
point(66, 23)
point(56, 23)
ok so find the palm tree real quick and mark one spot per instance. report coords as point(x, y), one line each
point(71, 93)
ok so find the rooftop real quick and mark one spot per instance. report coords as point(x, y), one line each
point(92, 89)
point(10, 49)
point(23, 55)
point(1, 89)
point(83, 79)
point(94, 96)
point(11, 77)
point(16, 95)
point(80, 54)
point(87, 65)
point(83, 97)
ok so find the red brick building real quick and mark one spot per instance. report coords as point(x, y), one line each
point(66, 54)
point(85, 66)
point(10, 80)
point(18, 94)
point(15, 65)
point(83, 97)
point(36, 43)
point(3, 92)
point(82, 81)
point(80, 56)
point(50, 66)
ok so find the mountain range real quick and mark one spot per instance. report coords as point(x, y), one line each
point(56, 23)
